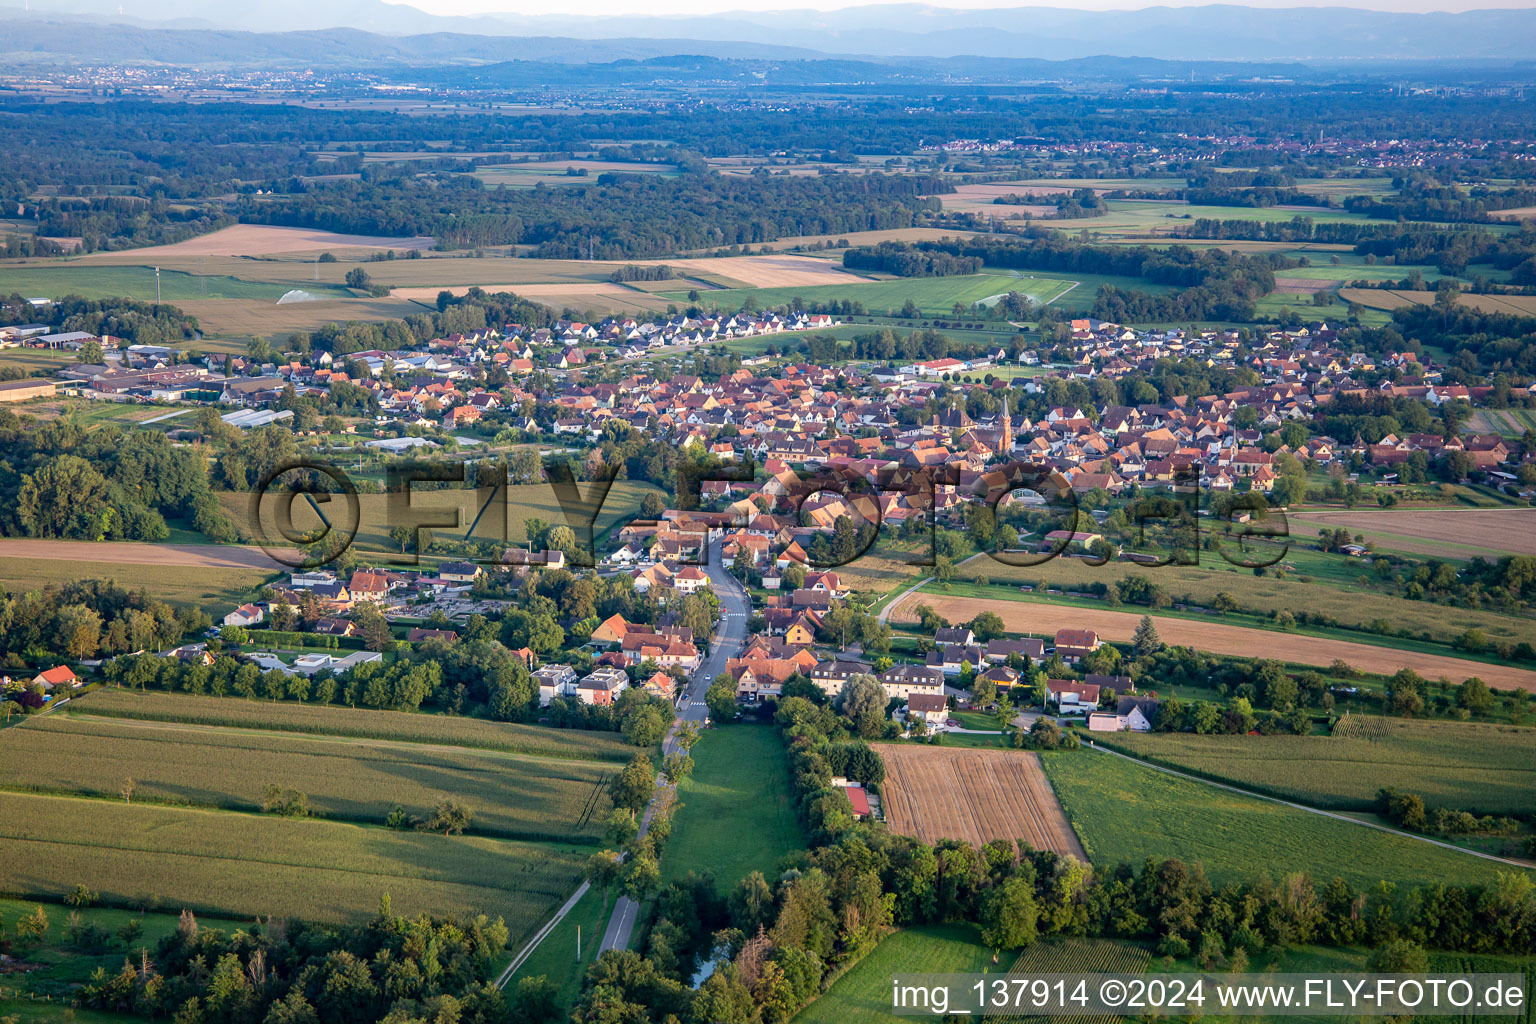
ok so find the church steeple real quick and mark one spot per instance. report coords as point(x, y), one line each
point(1007, 450)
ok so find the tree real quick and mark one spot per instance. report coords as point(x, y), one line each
point(721, 699)
point(631, 788)
point(988, 626)
point(652, 506)
point(944, 568)
point(450, 818)
point(863, 704)
point(80, 897)
point(1009, 915)
point(602, 870)
point(1146, 641)
point(676, 767)
point(644, 727)
point(1475, 696)
point(641, 877)
point(358, 278)
point(373, 627)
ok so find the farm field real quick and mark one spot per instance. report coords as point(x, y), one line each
point(1087, 956)
point(138, 282)
point(400, 726)
point(1509, 422)
point(207, 587)
point(1373, 298)
point(552, 173)
point(1486, 769)
point(602, 296)
point(1142, 217)
point(934, 296)
point(737, 813)
point(256, 865)
point(1235, 837)
point(1339, 597)
point(244, 318)
point(523, 502)
point(264, 240)
point(200, 556)
point(204, 766)
point(937, 793)
point(1437, 531)
point(863, 995)
point(1046, 617)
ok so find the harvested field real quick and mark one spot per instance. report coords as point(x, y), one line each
point(1043, 617)
point(1390, 299)
point(1518, 213)
point(202, 556)
point(977, 795)
point(264, 240)
point(209, 588)
point(765, 271)
point(1511, 530)
point(1068, 956)
point(1302, 284)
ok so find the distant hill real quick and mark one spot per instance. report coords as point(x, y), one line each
point(303, 30)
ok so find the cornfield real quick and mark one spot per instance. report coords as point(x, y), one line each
point(235, 712)
point(1483, 768)
point(1076, 956)
point(511, 796)
point(240, 865)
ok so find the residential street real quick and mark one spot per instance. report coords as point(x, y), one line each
point(730, 636)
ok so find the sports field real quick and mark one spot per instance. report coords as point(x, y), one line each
point(1125, 812)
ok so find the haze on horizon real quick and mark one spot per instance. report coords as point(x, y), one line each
point(698, 8)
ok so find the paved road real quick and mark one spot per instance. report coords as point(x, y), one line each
point(730, 636)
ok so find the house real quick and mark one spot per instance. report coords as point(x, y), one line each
point(458, 572)
point(690, 580)
point(1001, 676)
point(1073, 645)
point(1131, 714)
point(1119, 684)
point(554, 681)
point(951, 660)
point(961, 635)
point(369, 585)
point(928, 707)
point(831, 676)
point(59, 675)
point(335, 627)
point(602, 686)
point(858, 802)
point(611, 630)
point(902, 681)
point(1030, 649)
point(245, 615)
point(1070, 696)
point(660, 685)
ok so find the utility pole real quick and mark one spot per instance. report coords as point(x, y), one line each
point(157, 286)
point(578, 943)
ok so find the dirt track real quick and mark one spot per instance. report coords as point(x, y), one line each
point(204, 556)
point(1218, 637)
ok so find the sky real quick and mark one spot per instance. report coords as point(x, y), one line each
point(705, 7)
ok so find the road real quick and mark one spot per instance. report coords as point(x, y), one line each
point(730, 636)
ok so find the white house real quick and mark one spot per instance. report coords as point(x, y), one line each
point(245, 615)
